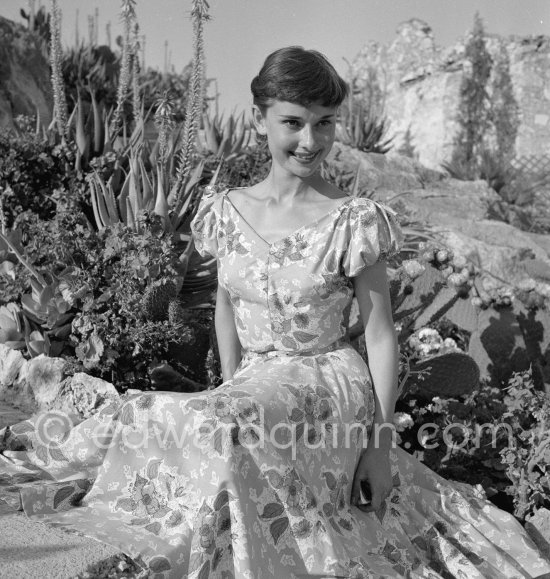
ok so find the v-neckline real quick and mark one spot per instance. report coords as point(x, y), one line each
point(293, 233)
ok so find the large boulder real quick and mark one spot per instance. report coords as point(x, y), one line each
point(11, 362)
point(83, 395)
point(24, 75)
point(44, 376)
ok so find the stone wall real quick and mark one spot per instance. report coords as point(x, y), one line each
point(421, 81)
point(24, 75)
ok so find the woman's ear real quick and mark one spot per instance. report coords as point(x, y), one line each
point(259, 120)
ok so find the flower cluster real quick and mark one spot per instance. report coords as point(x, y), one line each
point(533, 294)
point(428, 342)
point(493, 294)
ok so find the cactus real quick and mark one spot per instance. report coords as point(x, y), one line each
point(451, 374)
point(176, 313)
point(157, 297)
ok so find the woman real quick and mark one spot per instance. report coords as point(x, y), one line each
point(262, 477)
point(298, 117)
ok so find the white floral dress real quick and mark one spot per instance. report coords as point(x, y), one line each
point(253, 480)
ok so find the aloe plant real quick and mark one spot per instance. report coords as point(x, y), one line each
point(225, 138)
point(142, 190)
point(91, 133)
point(128, 16)
point(56, 55)
point(195, 99)
point(363, 129)
point(12, 328)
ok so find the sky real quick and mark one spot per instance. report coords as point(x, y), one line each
point(242, 33)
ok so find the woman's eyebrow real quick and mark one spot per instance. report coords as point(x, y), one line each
point(298, 118)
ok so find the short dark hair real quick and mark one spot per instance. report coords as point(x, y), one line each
point(299, 76)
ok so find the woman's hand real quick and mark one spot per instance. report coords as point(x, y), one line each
point(374, 466)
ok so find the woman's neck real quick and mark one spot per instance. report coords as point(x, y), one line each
point(285, 188)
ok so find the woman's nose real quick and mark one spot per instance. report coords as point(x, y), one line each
point(307, 137)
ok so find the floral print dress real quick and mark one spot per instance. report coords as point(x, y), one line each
point(252, 480)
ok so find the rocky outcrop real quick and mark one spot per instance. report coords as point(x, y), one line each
point(418, 83)
point(24, 75)
point(41, 384)
point(455, 212)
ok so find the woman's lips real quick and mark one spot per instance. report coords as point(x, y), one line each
point(305, 157)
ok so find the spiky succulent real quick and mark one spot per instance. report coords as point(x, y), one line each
point(157, 298)
point(176, 313)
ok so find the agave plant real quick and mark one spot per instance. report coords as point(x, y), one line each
point(91, 132)
point(364, 130)
point(225, 138)
point(141, 190)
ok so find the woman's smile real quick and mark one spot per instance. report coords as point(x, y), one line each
point(305, 158)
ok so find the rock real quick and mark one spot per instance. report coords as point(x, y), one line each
point(20, 395)
point(445, 201)
point(377, 172)
point(83, 395)
point(24, 75)
point(538, 527)
point(417, 83)
point(11, 362)
point(455, 212)
point(493, 246)
point(44, 376)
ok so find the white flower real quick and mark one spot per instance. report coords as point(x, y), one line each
point(428, 334)
point(413, 268)
point(450, 344)
point(402, 421)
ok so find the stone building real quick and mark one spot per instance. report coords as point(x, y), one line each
point(420, 85)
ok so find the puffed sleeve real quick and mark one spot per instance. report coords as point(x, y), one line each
point(204, 226)
point(373, 234)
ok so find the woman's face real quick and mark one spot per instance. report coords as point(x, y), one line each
point(299, 138)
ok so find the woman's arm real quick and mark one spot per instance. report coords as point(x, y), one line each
point(372, 293)
point(229, 345)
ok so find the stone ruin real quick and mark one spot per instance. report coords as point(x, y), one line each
point(419, 84)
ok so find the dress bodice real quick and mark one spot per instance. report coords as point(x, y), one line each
point(292, 295)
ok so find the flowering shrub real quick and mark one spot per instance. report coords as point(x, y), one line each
point(496, 437)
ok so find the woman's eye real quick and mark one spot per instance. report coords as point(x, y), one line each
point(291, 123)
point(325, 123)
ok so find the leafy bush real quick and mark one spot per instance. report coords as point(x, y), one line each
point(250, 167)
point(496, 437)
point(31, 170)
point(91, 308)
point(111, 332)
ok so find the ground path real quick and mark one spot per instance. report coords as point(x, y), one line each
point(31, 550)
